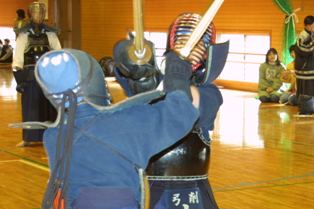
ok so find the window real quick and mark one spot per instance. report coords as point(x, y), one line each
point(160, 41)
point(246, 53)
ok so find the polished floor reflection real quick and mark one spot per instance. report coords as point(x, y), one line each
point(262, 154)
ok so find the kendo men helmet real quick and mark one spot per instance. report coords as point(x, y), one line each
point(68, 69)
point(180, 32)
point(207, 58)
point(37, 12)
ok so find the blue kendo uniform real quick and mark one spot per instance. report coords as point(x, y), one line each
point(97, 152)
point(136, 132)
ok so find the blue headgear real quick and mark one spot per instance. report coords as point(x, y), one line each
point(68, 69)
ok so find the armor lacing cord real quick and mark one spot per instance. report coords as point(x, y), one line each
point(55, 195)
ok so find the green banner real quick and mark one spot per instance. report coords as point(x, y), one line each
point(289, 33)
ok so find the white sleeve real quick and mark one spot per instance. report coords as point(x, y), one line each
point(53, 39)
point(21, 45)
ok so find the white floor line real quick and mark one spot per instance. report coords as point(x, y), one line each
point(34, 165)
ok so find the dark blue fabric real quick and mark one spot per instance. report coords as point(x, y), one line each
point(137, 132)
point(35, 107)
point(105, 198)
point(210, 101)
point(216, 60)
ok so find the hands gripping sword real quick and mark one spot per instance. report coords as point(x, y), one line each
point(135, 65)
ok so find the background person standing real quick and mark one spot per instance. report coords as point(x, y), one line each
point(33, 40)
point(304, 64)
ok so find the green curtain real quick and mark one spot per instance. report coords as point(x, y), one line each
point(289, 35)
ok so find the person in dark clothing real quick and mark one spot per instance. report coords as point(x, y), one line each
point(304, 64)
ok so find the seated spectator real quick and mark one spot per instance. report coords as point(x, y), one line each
point(288, 78)
point(269, 77)
point(6, 52)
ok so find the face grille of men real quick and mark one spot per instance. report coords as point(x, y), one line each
point(37, 12)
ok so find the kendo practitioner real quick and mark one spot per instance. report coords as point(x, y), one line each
point(33, 40)
point(97, 152)
point(304, 66)
point(178, 175)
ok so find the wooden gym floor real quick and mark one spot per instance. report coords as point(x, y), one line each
point(262, 156)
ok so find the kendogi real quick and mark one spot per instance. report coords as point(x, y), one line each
point(178, 176)
point(33, 40)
